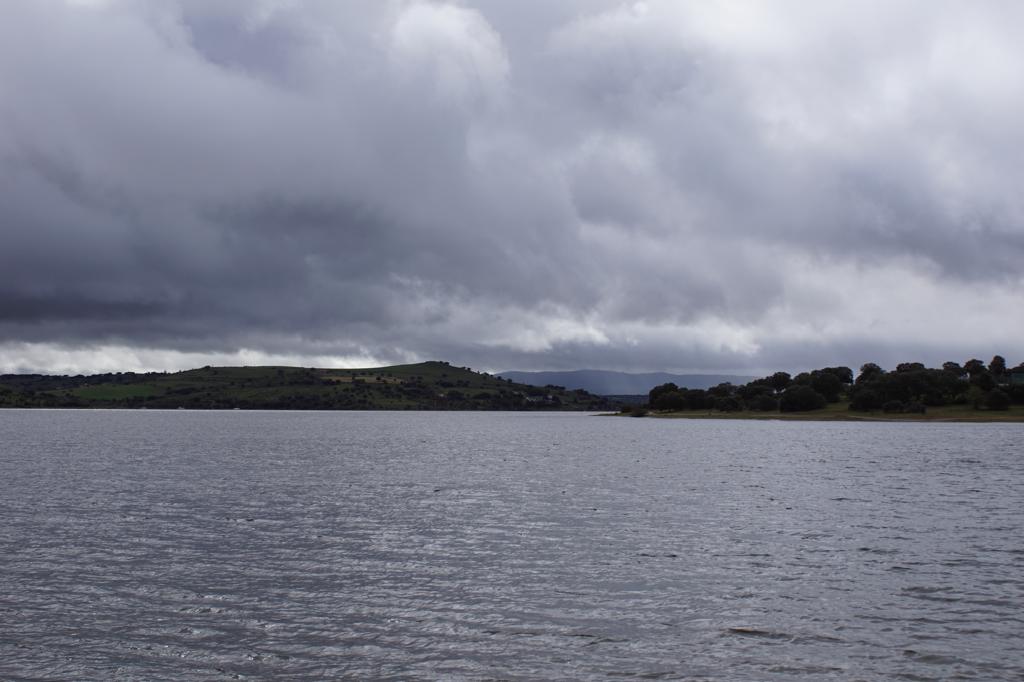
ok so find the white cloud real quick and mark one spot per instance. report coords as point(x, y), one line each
point(451, 48)
point(57, 358)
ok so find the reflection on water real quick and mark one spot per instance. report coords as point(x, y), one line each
point(200, 545)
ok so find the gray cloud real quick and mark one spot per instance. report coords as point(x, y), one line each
point(659, 185)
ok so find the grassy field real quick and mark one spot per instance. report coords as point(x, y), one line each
point(841, 412)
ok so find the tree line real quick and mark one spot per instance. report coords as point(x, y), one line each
point(909, 388)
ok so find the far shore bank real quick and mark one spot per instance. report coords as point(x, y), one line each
point(840, 412)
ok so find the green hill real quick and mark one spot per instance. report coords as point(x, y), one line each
point(424, 386)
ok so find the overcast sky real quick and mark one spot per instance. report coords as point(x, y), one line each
point(528, 184)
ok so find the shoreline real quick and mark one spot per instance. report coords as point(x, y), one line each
point(941, 415)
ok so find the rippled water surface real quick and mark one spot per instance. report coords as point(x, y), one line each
point(257, 545)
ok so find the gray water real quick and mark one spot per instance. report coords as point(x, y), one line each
point(257, 545)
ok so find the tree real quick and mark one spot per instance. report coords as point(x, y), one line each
point(765, 403)
point(892, 406)
point(909, 367)
point(670, 400)
point(697, 399)
point(869, 371)
point(728, 404)
point(997, 366)
point(803, 378)
point(801, 398)
point(748, 392)
point(997, 400)
point(864, 399)
point(953, 368)
point(844, 374)
point(984, 380)
point(827, 384)
point(654, 393)
point(779, 381)
point(973, 367)
point(722, 390)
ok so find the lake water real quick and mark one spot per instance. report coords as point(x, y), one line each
point(153, 545)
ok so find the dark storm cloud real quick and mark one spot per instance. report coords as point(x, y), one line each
point(661, 185)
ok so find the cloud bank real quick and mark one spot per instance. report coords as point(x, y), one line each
point(662, 185)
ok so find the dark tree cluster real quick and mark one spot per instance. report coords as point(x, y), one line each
point(910, 388)
point(778, 392)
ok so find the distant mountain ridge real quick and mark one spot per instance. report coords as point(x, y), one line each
point(603, 382)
